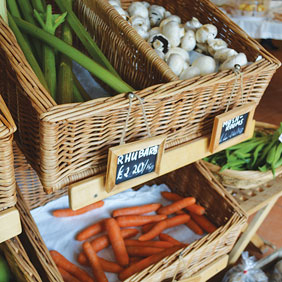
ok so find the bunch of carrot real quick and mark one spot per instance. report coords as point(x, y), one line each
point(134, 255)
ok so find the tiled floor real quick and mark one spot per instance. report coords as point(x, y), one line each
point(269, 110)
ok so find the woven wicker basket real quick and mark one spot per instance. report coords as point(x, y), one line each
point(249, 178)
point(66, 143)
point(7, 177)
point(193, 180)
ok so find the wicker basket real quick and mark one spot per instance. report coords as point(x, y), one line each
point(7, 177)
point(249, 178)
point(193, 180)
point(66, 143)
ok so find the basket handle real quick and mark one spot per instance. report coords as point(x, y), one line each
point(6, 118)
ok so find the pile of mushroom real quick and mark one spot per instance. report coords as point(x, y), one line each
point(173, 41)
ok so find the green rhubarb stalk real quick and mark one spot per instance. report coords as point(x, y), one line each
point(97, 70)
point(65, 82)
point(76, 95)
point(49, 23)
point(39, 5)
point(85, 37)
point(27, 51)
point(3, 10)
point(27, 14)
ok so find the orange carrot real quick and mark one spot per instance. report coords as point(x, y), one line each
point(110, 266)
point(94, 262)
point(144, 263)
point(73, 269)
point(90, 231)
point(203, 222)
point(138, 220)
point(177, 205)
point(70, 212)
point(145, 228)
point(67, 277)
point(139, 251)
point(117, 241)
point(194, 227)
point(155, 244)
point(137, 210)
point(103, 242)
point(195, 208)
point(167, 238)
point(164, 224)
point(134, 259)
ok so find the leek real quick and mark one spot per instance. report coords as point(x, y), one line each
point(97, 70)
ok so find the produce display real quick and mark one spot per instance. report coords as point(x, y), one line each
point(46, 41)
point(190, 49)
point(120, 233)
point(262, 152)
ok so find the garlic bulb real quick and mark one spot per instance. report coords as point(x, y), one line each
point(206, 32)
point(188, 41)
point(193, 24)
point(190, 72)
point(138, 8)
point(239, 59)
point(176, 63)
point(156, 14)
point(173, 32)
point(177, 50)
point(216, 44)
point(222, 54)
point(206, 64)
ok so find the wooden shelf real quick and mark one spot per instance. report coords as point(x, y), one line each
point(91, 190)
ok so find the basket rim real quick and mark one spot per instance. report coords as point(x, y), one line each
point(7, 124)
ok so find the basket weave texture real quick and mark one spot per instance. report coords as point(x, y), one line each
point(69, 142)
point(7, 176)
point(195, 180)
point(248, 178)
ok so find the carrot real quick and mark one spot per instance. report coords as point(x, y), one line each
point(134, 259)
point(67, 277)
point(167, 238)
point(70, 212)
point(103, 242)
point(203, 222)
point(164, 224)
point(110, 266)
point(140, 251)
point(145, 228)
point(138, 220)
point(117, 241)
point(197, 209)
point(144, 263)
point(155, 244)
point(90, 231)
point(73, 269)
point(194, 227)
point(94, 262)
point(177, 205)
point(137, 210)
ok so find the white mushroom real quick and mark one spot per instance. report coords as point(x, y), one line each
point(139, 22)
point(206, 64)
point(160, 53)
point(171, 18)
point(154, 30)
point(160, 42)
point(114, 2)
point(193, 24)
point(190, 72)
point(188, 41)
point(167, 14)
point(239, 59)
point(138, 8)
point(173, 32)
point(177, 50)
point(206, 32)
point(122, 12)
point(156, 14)
point(176, 63)
point(146, 4)
point(222, 54)
point(142, 32)
point(216, 44)
point(203, 47)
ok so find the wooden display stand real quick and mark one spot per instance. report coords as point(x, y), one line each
point(259, 200)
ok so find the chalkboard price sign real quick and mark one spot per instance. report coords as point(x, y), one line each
point(134, 163)
point(232, 127)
